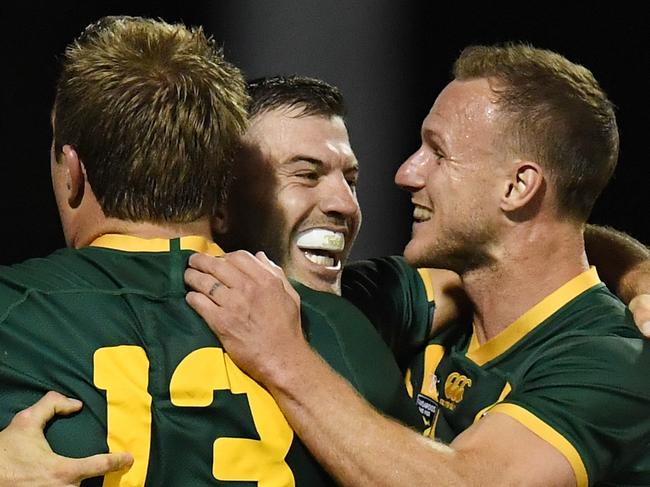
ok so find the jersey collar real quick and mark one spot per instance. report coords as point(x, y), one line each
point(531, 319)
point(129, 243)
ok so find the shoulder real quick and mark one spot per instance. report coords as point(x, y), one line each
point(328, 306)
point(373, 271)
point(39, 274)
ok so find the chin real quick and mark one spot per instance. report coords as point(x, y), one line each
point(414, 256)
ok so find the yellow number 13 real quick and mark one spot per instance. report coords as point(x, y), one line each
point(123, 372)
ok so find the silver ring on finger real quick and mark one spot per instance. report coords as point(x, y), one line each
point(214, 288)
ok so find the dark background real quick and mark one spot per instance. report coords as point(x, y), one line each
point(389, 57)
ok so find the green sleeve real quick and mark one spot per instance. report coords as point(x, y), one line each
point(594, 394)
point(392, 295)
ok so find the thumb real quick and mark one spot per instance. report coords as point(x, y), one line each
point(98, 465)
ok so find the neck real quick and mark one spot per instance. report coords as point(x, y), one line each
point(86, 221)
point(529, 264)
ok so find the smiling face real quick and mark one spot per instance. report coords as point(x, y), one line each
point(456, 181)
point(294, 195)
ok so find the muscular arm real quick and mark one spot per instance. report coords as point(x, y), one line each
point(258, 323)
point(449, 296)
point(363, 448)
point(623, 263)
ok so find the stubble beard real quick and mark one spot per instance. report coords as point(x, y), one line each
point(461, 250)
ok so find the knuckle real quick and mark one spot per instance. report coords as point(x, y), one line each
point(249, 288)
point(22, 418)
point(63, 472)
point(54, 399)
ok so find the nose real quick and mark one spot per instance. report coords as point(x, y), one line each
point(411, 175)
point(337, 197)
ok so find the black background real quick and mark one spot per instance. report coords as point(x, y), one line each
point(389, 57)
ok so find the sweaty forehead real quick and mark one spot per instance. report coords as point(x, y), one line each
point(462, 109)
point(282, 134)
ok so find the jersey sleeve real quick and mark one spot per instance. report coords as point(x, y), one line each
point(590, 398)
point(394, 297)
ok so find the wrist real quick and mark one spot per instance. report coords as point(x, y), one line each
point(291, 373)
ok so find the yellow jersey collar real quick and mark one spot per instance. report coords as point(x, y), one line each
point(129, 243)
point(481, 354)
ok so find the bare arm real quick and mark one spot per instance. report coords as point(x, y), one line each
point(26, 459)
point(449, 295)
point(623, 262)
point(257, 320)
point(624, 265)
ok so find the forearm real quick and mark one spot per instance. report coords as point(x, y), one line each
point(636, 281)
point(355, 443)
point(623, 263)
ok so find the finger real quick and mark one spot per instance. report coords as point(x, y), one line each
point(212, 289)
point(215, 316)
point(269, 264)
point(200, 282)
point(250, 266)
point(220, 268)
point(277, 271)
point(204, 306)
point(201, 262)
point(79, 469)
point(42, 411)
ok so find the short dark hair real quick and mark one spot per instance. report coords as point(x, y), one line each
point(313, 96)
point(555, 112)
point(155, 114)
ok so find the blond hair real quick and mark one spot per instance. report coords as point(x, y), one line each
point(155, 114)
point(555, 112)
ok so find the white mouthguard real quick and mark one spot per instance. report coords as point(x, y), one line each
point(322, 239)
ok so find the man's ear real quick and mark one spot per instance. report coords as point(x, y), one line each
point(525, 183)
point(75, 175)
point(220, 221)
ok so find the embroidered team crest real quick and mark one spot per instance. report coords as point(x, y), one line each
point(455, 386)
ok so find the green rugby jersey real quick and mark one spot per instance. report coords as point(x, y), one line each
point(573, 369)
point(108, 324)
point(396, 298)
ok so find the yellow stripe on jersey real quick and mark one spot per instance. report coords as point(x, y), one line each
point(433, 355)
point(507, 389)
point(548, 434)
point(481, 354)
point(426, 279)
point(129, 243)
point(408, 383)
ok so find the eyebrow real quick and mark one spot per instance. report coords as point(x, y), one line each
point(299, 158)
point(353, 166)
point(435, 137)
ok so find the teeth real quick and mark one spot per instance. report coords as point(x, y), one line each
point(321, 239)
point(421, 214)
point(322, 260)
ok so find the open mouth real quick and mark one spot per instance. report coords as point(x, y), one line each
point(421, 214)
point(322, 247)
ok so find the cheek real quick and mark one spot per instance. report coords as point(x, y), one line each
point(296, 202)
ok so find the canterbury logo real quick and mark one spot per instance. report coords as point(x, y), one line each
point(455, 386)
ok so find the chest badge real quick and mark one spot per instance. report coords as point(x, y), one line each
point(455, 386)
